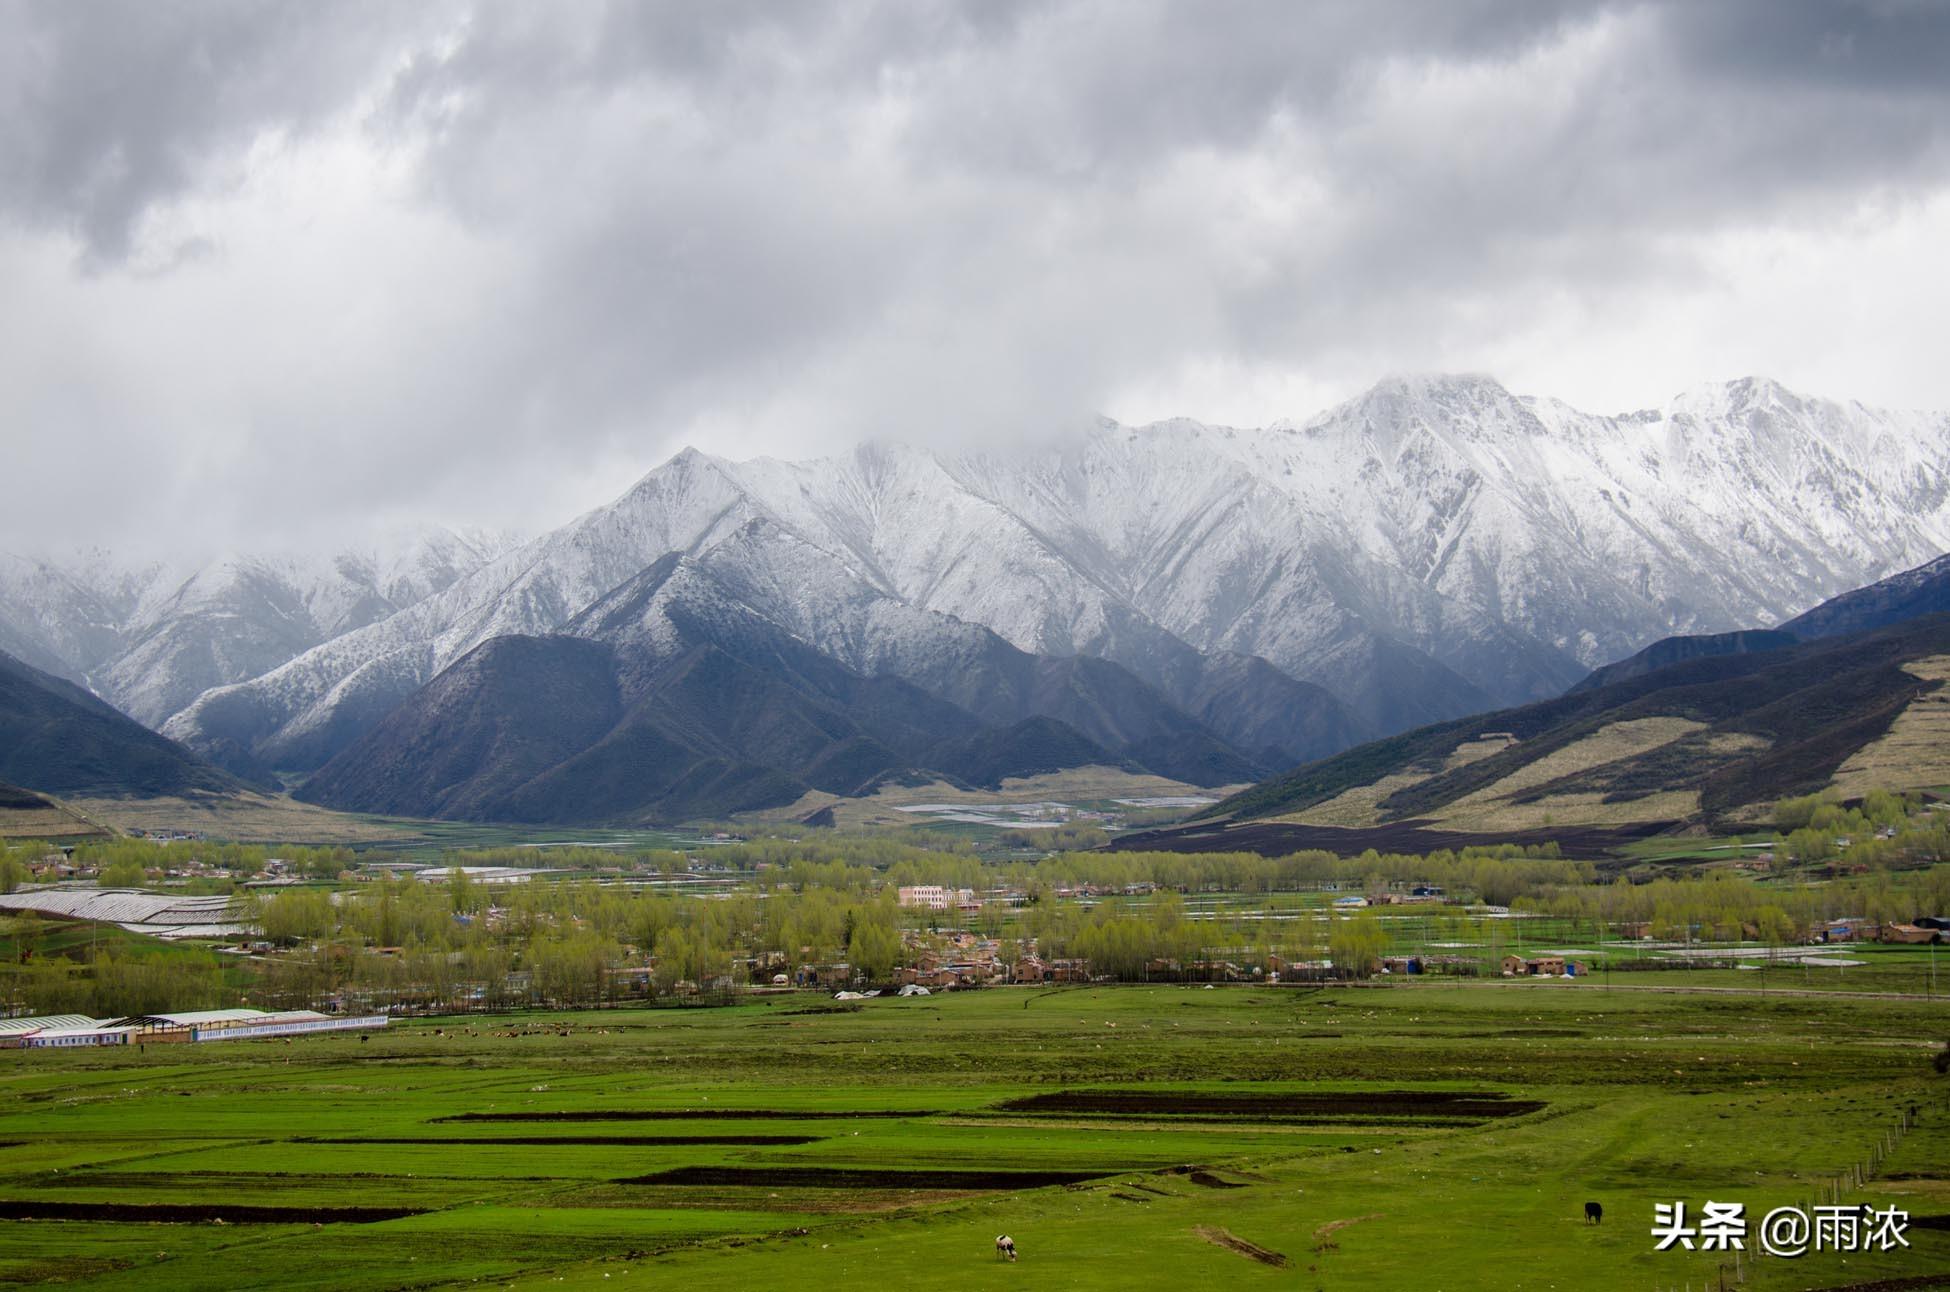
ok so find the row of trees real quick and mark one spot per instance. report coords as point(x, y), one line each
point(832, 899)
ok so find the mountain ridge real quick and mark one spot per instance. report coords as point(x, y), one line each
point(672, 697)
point(1431, 548)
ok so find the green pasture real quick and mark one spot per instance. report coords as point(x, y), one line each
point(1251, 1136)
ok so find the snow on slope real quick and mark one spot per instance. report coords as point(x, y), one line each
point(1437, 541)
point(151, 637)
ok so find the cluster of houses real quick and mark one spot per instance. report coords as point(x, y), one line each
point(957, 958)
point(1925, 930)
point(70, 1031)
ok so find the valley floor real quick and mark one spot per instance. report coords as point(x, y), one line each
point(1439, 1137)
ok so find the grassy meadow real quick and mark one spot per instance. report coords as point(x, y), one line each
point(1433, 1136)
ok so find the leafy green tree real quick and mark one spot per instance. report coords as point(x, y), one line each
point(297, 915)
point(125, 872)
point(1357, 944)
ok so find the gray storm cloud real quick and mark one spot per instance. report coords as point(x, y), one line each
point(279, 270)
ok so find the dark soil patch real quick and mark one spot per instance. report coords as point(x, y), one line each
point(1451, 1107)
point(827, 1177)
point(620, 1141)
point(1234, 1243)
point(1519, 1034)
point(1206, 1179)
point(1282, 838)
point(689, 1115)
point(197, 1213)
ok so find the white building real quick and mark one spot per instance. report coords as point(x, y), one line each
point(934, 897)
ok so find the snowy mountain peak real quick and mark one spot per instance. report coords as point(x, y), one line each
point(1431, 547)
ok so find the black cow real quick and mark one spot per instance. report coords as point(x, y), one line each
point(1005, 1246)
point(1593, 1213)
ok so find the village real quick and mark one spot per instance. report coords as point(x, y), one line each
point(346, 934)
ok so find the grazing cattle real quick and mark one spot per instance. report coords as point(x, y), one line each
point(1593, 1213)
point(1005, 1246)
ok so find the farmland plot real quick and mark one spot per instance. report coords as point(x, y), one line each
point(1135, 1137)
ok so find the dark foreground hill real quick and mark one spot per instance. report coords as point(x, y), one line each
point(59, 739)
point(1924, 590)
point(672, 699)
point(1710, 738)
point(1911, 594)
point(1678, 650)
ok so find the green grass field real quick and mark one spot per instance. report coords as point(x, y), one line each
point(1440, 1136)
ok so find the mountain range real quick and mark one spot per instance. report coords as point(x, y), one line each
point(670, 697)
point(151, 636)
point(1434, 548)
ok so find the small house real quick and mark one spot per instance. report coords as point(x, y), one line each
point(1911, 934)
point(1849, 930)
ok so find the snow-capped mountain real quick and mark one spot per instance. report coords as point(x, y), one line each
point(672, 698)
point(151, 637)
point(1432, 548)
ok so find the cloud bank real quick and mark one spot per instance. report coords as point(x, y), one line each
point(280, 272)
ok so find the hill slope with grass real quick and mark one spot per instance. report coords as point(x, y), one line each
point(1707, 739)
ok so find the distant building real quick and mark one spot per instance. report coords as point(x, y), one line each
point(1911, 933)
point(71, 1030)
point(1849, 930)
point(935, 897)
point(1539, 967)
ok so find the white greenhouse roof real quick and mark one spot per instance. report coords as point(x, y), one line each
point(197, 1017)
point(162, 914)
point(14, 1026)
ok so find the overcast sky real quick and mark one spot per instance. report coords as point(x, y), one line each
point(275, 272)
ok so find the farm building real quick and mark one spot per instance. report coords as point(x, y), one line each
point(295, 1022)
point(15, 1031)
point(70, 1030)
point(62, 1038)
point(1539, 967)
point(1911, 933)
point(826, 975)
point(1850, 930)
